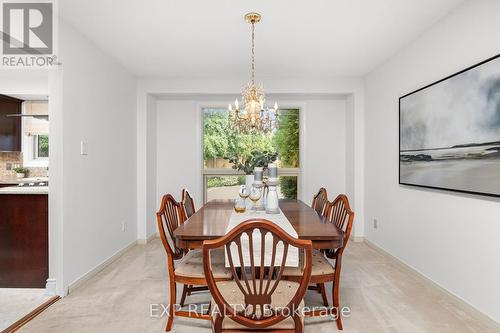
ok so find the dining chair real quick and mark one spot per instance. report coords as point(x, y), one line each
point(339, 213)
point(319, 201)
point(187, 203)
point(257, 299)
point(318, 204)
point(184, 267)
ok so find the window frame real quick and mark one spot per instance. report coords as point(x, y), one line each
point(208, 172)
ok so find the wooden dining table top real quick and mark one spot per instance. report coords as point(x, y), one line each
point(211, 222)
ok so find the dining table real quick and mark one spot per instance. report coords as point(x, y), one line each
point(211, 221)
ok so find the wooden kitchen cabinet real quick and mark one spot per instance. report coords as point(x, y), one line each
point(10, 127)
point(7, 184)
point(24, 240)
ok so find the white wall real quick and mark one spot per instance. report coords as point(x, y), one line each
point(350, 152)
point(323, 145)
point(146, 166)
point(452, 239)
point(151, 169)
point(95, 102)
point(178, 149)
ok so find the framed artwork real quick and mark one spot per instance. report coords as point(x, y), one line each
point(449, 132)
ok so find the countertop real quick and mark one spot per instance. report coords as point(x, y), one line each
point(14, 189)
point(24, 190)
point(14, 180)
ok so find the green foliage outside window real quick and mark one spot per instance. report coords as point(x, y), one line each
point(289, 186)
point(43, 146)
point(286, 139)
point(222, 143)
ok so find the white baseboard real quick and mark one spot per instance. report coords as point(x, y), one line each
point(142, 241)
point(90, 274)
point(457, 300)
point(50, 287)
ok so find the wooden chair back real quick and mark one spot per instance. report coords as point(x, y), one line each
point(187, 203)
point(256, 281)
point(319, 201)
point(339, 213)
point(169, 217)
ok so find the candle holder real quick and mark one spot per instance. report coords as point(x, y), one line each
point(272, 202)
point(259, 185)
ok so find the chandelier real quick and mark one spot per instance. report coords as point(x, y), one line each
point(253, 116)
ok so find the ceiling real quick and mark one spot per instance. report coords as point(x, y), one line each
point(295, 39)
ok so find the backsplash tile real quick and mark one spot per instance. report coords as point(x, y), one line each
point(13, 159)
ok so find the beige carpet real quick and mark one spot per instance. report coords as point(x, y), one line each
point(383, 297)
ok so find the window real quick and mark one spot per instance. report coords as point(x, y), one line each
point(35, 137)
point(220, 145)
point(41, 146)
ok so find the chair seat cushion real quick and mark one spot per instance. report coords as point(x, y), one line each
point(280, 298)
point(320, 266)
point(191, 265)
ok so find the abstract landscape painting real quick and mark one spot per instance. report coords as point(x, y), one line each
point(449, 132)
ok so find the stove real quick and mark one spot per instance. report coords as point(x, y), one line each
point(32, 184)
